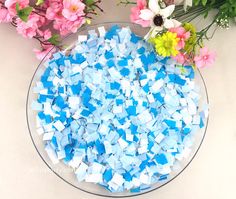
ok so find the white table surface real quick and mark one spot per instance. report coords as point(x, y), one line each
point(212, 174)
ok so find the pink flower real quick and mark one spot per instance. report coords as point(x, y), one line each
point(180, 58)
point(66, 17)
point(73, 9)
point(54, 10)
point(182, 34)
point(4, 15)
point(205, 58)
point(29, 29)
point(65, 26)
point(46, 34)
point(136, 11)
point(11, 5)
point(46, 52)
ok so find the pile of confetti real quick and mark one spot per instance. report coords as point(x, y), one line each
point(117, 113)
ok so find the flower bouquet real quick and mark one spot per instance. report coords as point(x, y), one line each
point(47, 20)
point(172, 31)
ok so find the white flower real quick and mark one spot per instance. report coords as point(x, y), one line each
point(158, 17)
point(186, 3)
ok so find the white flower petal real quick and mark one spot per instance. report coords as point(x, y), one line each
point(154, 6)
point(187, 3)
point(156, 30)
point(166, 12)
point(146, 14)
point(147, 36)
point(168, 23)
point(176, 23)
point(153, 32)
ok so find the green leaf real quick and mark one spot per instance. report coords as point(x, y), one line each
point(196, 2)
point(206, 14)
point(89, 2)
point(24, 13)
point(39, 2)
point(17, 6)
point(212, 2)
point(204, 2)
point(55, 39)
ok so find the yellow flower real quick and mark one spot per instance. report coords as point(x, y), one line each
point(191, 42)
point(166, 44)
point(88, 21)
point(189, 27)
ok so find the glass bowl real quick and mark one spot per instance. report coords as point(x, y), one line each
point(63, 171)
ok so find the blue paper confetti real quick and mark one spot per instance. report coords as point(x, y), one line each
point(117, 113)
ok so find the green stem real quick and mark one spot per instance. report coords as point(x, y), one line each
point(189, 14)
point(126, 2)
point(191, 18)
point(196, 9)
point(203, 33)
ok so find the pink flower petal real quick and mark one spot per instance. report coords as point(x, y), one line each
point(203, 51)
point(4, 15)
point(179, 58)
point(141, 4)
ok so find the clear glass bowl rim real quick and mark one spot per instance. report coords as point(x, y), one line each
point(89, 27)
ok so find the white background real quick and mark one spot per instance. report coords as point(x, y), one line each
point(212, 174)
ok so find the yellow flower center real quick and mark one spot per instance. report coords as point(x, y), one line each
point(73, 8)
point(168, 44)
